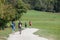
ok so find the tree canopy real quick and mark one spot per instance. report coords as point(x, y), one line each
point(44, 5)
point(11, 10)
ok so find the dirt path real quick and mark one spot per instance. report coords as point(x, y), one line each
point(27, 34)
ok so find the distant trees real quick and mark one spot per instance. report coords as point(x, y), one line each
point(44, 5)
point(57, 5)
point(11, 10)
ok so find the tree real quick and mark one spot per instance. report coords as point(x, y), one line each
point(11, 11)
point(57, 5)
point(44, 5)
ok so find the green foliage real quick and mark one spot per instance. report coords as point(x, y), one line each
point(57, 5)
point(44, 5)
point(11, 10)
point(20, 8)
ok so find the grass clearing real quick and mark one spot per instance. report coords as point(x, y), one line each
point(47, 22)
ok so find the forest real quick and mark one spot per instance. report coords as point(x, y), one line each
point(44, 5)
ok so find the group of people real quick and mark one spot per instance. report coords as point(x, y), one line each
point(19, 25)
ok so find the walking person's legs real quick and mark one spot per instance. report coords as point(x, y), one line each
point(20, 30)
point(12, 30)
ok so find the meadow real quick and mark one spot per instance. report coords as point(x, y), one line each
point(48, 24)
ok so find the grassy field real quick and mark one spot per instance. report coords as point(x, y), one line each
point(5, 33)
point(47, 22)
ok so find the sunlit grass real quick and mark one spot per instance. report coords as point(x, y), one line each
point(47, 22)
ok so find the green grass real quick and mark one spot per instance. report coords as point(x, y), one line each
point(5, 33)
point(47, 22)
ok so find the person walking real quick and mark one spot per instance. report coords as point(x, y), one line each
point(13, 26)
point(30, 23)
point(25, 25)
point(20, 26)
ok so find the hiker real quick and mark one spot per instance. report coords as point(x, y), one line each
point(30, 23)
point(25, 25)
point(13, 26)
point(20, 26)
